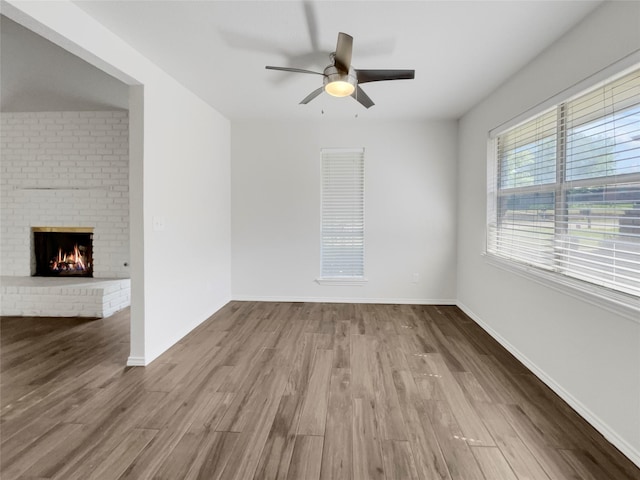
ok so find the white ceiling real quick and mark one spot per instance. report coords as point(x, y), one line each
point(461, 50)
point(38, 75)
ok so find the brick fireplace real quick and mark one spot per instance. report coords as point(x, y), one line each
point(64, 172)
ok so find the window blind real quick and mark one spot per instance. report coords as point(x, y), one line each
point(564, 189)
point(342, 218)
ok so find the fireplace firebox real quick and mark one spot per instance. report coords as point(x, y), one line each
point(63, 251)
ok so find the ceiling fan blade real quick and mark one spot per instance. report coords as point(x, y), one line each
point(312, 24)
point(343, 52)
point(362, 97)
point(312, 95)
point(365, 76)
point(294, 70)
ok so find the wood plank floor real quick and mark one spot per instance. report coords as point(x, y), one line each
point(287, 391)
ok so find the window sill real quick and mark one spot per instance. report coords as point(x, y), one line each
point(622, 304)
point(342, 281)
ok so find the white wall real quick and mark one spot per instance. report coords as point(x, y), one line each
point(588, 354)
point(179, 173)
point(410, 206)
point(65, 169)
point(187, 188)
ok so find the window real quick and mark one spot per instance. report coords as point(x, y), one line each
point(564, 188)
point(342, 218)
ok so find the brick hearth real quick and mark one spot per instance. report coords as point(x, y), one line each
point(63, 297)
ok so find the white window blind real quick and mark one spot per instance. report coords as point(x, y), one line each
point(564, 188)
point(342, 228)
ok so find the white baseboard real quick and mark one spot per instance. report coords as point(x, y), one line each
point(620, 443)
point(402, 301)
point(136, 362)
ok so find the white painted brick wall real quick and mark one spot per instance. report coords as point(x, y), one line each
point(66, 169)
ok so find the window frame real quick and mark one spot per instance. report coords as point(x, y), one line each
point(346, 280)
point(624, 304)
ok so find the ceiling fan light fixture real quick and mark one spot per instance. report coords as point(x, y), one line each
point(339, 88)
point(339, 84)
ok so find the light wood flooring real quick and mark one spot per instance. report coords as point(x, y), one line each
point(290, 391)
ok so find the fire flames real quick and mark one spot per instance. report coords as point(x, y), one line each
point(67, 262)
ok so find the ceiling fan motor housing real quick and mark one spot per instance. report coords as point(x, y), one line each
point(339, 83)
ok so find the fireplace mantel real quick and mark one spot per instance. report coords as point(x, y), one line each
point(63, 229)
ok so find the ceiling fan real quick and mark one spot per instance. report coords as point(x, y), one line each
point(341, 79)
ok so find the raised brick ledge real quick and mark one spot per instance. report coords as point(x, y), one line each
point(63, 297)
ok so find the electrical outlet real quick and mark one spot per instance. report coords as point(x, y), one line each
point(415, 278)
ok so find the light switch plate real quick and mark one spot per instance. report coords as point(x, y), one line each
point(158, 224)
